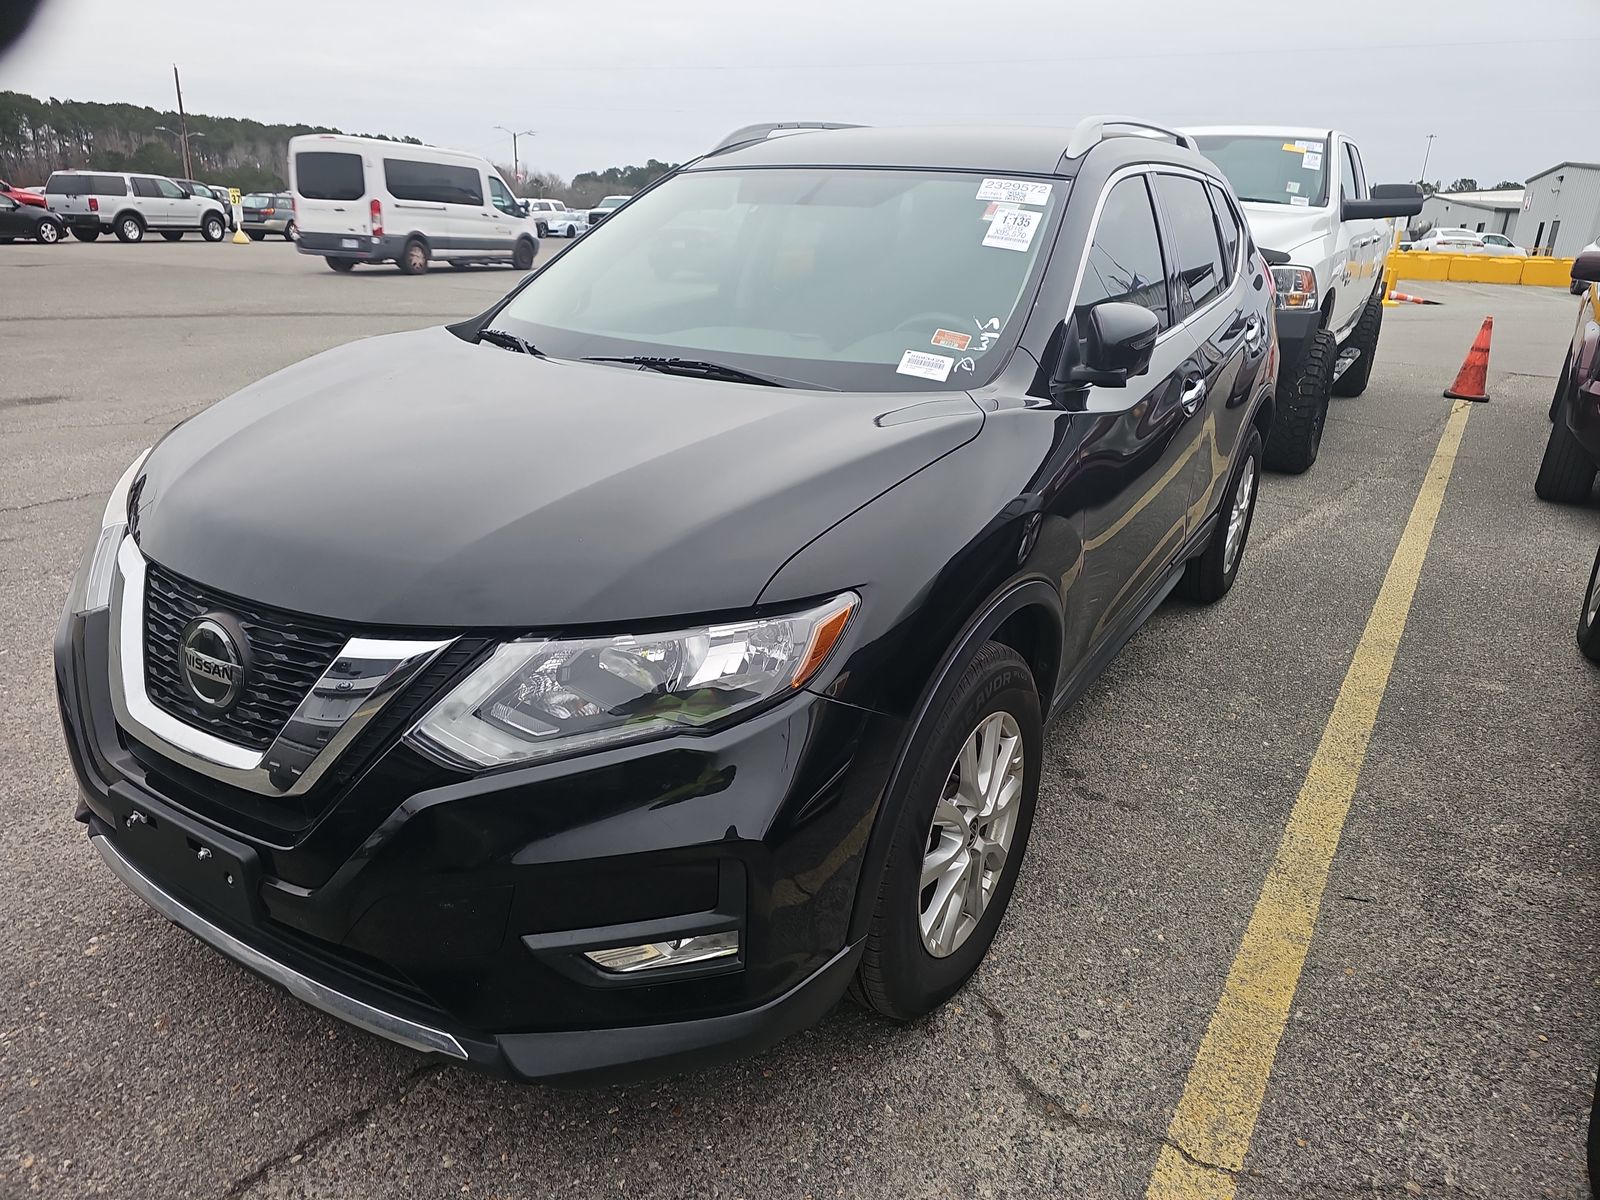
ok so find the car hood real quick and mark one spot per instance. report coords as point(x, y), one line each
point(420, 480)
point(1287, 228)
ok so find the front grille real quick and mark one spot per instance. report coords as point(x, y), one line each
point(288, 654)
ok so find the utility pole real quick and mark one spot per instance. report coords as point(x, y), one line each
point(1425, 154)
point(183, 124)
point(516, 163)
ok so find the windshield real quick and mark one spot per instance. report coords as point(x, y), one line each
point(865, 280)
point(1270, 170)
point(257, 200)
point(612, 202)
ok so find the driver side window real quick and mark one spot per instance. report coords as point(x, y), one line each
point(1125, 261)
point(502, 198)
point(169, 189)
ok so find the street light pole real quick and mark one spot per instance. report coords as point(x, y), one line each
point(516, 163)
point(183, 124)
point(1425, 154)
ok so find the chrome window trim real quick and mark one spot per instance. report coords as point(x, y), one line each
point(1129, 172)
point(319, 995)
point(285, 768)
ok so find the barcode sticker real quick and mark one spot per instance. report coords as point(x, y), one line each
point(925, 366)
point(1014, 191)
point(1012, 229)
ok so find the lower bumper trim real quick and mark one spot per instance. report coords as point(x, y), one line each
point(319, 995)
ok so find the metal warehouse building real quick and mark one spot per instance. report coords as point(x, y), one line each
point(1561, 210)
point(1483, 212)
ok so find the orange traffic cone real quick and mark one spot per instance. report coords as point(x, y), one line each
point(1472, 383)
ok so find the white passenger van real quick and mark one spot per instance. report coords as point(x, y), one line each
point(368, 200)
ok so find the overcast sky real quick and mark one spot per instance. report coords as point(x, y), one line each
point(1508, 88)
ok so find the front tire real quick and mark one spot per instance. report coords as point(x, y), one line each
point(1208, 577)
point(958, 846)
point(1589, 616)
point(85, 235)
point(172, 235)
point(1365, 339)
point(255, 235)
point(49, 233)
point(522, 256)
point(130, 229)
point(341, 265)
point(213, 228)
point(540, 228)
point(413, 259)
point(1302, 408)
point(1566, 473)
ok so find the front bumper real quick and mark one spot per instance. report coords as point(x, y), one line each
point(449, 913)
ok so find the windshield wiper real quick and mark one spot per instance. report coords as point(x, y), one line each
point(509, 341)
point(701, 369)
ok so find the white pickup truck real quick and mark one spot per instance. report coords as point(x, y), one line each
point(1324, 231)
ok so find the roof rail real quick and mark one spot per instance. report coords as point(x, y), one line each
point(1091, 131)
point(749, 134)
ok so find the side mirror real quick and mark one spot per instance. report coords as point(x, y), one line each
point(1106, 346)
point(522, 207)
point(1586, 267)
point(1388, 200)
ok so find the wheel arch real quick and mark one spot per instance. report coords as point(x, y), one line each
point(123, 213)
point(1325, 321)
point(1025, 616)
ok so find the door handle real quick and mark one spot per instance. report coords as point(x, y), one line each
point(1252, 332)
point(1192, 396)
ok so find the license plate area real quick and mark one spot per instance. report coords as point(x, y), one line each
point(183, 857)
point(350, 243)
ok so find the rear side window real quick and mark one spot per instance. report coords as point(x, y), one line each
point(432, 183)
point(64, 185)
point(1125, 257)
point(329, 175)
point(1192, 242)
point(108, 185)
point(1228, 222)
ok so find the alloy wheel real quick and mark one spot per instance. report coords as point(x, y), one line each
point(48, 233)
point(971, 834)
point(1591, 602)
point(1239, 514)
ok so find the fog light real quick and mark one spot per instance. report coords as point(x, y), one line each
point(624, 960)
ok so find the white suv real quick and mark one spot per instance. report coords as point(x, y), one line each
point(96, 202)
point(1324, 232)
point(554, 217)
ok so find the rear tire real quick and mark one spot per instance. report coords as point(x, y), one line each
point(1589, 616)
point(291, 232)
point(1365, 339)
point(213, 228)
point(85, 235)
point(255, 235)
point(522, 257)
point(900, 976)
point(1208, 576)
point(172, 235)
point(540, 228)
point(130, 229)
point(1302, 408)
point(341, 265)
point(1566, 473)
point(413, 259)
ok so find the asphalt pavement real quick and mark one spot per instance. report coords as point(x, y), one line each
point(1441, 1042)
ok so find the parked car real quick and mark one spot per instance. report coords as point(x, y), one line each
point(261, 213)
point(604, 209)
point(22, 195)
point(369, 200)
point(706, 672)
point(1572, 452)
point(1578, 287)
point(1450, 241)
point(18, 220)
point(1500, 246)
point(1323, 227)
point(1589, 616)
point(553, 216)
point(129, 204)
point(221, 195)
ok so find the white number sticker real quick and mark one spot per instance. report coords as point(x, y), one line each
point(1014, 191)
point(1312, 161)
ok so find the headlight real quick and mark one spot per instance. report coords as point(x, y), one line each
point(91, 586)
point(540, 697)
point(1297, 287)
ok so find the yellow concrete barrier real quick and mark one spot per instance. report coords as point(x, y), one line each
point(1480, 268)
point(1547, 272)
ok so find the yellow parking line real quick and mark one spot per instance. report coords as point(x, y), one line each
point(1222, 1096)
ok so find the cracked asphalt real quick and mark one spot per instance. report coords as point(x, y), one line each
point(1443, 1038)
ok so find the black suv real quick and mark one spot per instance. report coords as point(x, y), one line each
point(604, 684)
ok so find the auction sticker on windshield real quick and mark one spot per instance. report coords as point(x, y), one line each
point(926, 366)
point(951, 340)
point(1012, 228)
point(1014, 191)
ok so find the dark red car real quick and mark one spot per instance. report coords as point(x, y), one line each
point(1572, 455)
point(22, 195)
